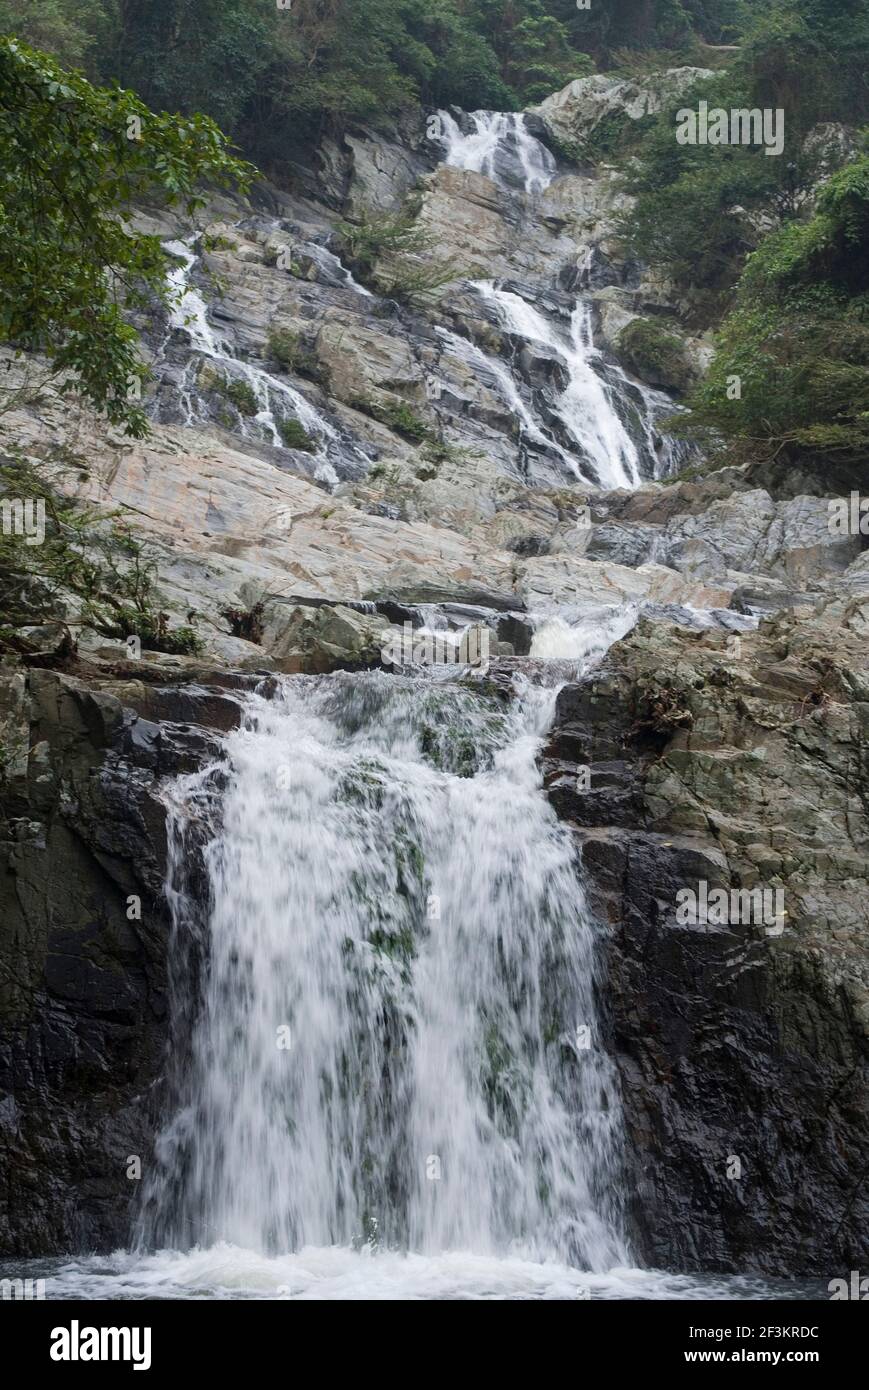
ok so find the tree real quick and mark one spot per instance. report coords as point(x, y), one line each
point(76, 158)
point(791, 369)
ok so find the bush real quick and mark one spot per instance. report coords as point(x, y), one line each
point(396, 415)
point(284, 347)
point(242, 395)
point(792, 361)
point(288, 349)
point(295, 437)
point(655, 355)
point(392, 254)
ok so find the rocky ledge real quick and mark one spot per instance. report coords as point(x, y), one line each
point(84, 927)
point(743, 1049)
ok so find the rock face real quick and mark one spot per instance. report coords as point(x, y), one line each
point(743, 1047)
point(84, 928)
point(575, 112)
point(326, 463)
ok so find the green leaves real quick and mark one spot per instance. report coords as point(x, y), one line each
point(798, 340)
point(70, 269)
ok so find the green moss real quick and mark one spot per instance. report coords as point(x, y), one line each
point(242, 395)
point(295, 437)
point(655, 355)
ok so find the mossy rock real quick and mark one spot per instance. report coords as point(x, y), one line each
point(295, 437)
point(239, 393)
point(656, 356)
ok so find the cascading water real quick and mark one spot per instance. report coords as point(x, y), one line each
point(498, 144)
point(189, 313)
point(599, 397)
point(584, 407)
point(399, 1041)
point(583, 634)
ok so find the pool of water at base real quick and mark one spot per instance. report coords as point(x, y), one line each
point(335, 1273)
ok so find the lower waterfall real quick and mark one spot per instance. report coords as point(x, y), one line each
point(398, 1044)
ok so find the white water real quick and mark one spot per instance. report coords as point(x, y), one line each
point(582, 637)
point(390, 886)
point(497, 370)
point(190, 313)
point(585, 406)
point(497, 142)
point(408, 907)
point(335, 1273)
point(335, 268)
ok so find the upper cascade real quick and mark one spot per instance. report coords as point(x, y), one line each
point(500, 145)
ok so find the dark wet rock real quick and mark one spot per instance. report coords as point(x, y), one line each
point(733, 761)
point(84, 928)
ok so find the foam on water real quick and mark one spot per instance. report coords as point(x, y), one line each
point(332, 1273)
point(391, 886)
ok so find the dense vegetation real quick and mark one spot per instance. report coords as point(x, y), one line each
point(797, 345)
point(273, 73)
point(702, 209)
point(277, 76)
point(75, 156)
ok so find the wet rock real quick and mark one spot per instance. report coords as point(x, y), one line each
point(325, 638)
point(733, 765)
point(84, 927)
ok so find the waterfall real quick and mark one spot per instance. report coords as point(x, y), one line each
point(398, 1045)
point(332, 271)
point(585, 406)
point(583, 635)
point(609, 419)
point(498, 144)
point(189, 313)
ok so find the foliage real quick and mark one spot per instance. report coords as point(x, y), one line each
point(798, 339)
point(398, 416)
point(701, 210)
point(295, 436)
point(261, 71)
point(68, 29)
point(392, 253)
point(70, 269)
point(655, 355)
point(288, 349)
point(242, 395)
